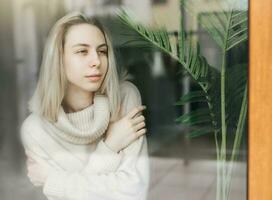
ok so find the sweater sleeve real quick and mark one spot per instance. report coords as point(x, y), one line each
point(100, 179)
point(128, 182)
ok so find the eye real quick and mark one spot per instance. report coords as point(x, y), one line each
point(102, 52)
point(82, 52)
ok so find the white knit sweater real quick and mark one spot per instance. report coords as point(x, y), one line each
point(81, 166)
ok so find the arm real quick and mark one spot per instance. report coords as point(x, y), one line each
point(99, 179)
point(128, 182)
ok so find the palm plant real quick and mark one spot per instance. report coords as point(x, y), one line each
point(226, 109)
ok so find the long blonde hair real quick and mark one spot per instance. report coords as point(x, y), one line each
point(48, 96)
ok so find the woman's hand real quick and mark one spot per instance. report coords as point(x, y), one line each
point(126, 130)
point(37, 173)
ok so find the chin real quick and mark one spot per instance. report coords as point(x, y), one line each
point(93, 87)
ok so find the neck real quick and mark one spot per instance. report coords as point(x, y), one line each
point(76, 99)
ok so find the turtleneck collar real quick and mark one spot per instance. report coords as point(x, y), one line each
point(85, 126)
point(82, 120)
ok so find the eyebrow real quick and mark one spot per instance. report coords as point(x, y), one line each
point(86, 45)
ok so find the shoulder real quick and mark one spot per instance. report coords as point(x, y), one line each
point(129, 90)
point(34, 138)
point(130, 96)
point(31, 124)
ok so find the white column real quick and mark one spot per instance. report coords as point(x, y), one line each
point(25, 41)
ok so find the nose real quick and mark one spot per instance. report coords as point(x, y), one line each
point(94, 60)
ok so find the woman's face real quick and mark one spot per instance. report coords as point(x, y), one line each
point(85, 57)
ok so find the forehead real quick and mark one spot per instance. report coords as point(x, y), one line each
point(84, 34)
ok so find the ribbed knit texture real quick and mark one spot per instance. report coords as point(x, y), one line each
point(85, 126)
point(82, 120)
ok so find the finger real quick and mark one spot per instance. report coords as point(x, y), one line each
point(138, 119)
point(140, 126)
point(135, 111)
point(140, 132)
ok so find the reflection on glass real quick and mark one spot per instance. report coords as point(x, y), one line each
point(189, 62)
point(218, 95)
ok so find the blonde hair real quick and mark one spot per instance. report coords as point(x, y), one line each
point(48, 96)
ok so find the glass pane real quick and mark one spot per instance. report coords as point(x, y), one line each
point(188, 59)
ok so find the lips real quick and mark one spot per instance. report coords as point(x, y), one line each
point(94, 77)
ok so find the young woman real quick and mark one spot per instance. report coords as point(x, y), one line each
point(85, 136)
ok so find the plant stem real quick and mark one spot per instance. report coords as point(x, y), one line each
point(223, 124)
point(238, 137)
point(217, 167)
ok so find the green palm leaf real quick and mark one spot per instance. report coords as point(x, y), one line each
point(189, 57)
point(159, 38)
point(194, 63)
point(228, 27)
point(198, 116)
point(199, 132)
point(192, 97)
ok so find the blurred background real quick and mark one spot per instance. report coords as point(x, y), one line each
point(181, 168)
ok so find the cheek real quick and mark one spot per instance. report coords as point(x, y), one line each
point(104, 65)
point(72, 73)
point(71, 67)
